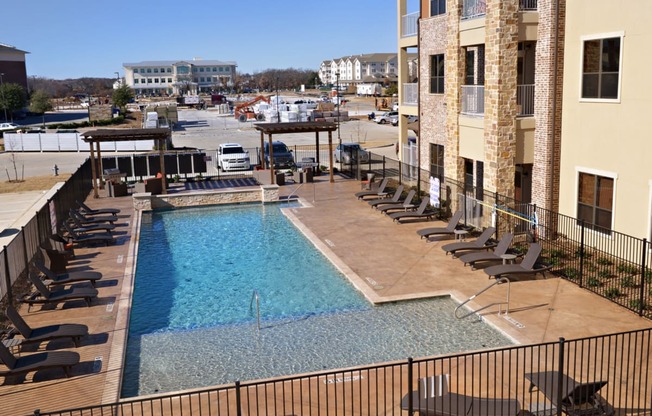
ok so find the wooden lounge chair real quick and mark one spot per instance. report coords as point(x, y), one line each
point(84, 228)
point(90, 238)
point(45, 333)
point(481, 243)
point(577, 399)
point(395, 199)
point(495, 255)
point(52, 278)
point(92, 219)
point(44, 296)
point(420, 212)
point(378, 193)
point(447, 230)
point(405, 205)
point(35, 362)
point(85, 209)
point(527, 266)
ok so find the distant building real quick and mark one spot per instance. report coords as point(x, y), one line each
point(366, 68)
point(12, 65)
point(179, 77)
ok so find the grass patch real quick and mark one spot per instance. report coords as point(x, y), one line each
point(33, 183)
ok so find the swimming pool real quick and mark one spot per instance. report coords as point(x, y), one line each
point(192, 324)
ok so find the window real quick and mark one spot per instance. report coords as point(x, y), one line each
point(437, 161)
point(201, 69)
point(156, 70)
point(155, 80)
point(437, 74)
point(149, 70)
point(601, 68)
point(595, 201)
point(169, 79)
point(437, 7)
point(221, 69)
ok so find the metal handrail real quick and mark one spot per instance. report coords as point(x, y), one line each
point(497, 282)
point(257, 298)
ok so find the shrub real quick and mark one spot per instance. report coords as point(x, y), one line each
point(578, 254)
point(613, 292)
point(604, 273)
point(627, 268)
point(604, 261)
point(556, 253)
point(637, 304)
point(628, 281)
point(593, 282)
point(571, 272)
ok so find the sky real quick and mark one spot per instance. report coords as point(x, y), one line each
point(93, 38)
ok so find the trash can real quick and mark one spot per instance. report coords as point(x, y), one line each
point(280, 179)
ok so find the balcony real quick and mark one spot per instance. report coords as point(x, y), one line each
point(409, 24)
point(410, 94)
point(473, 99)
point(474, 8)
point(525, 99)
point(528, 5)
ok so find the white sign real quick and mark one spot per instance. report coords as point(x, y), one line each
point(434, 192)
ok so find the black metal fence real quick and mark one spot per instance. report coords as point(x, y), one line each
point(15, 257)
point(601, 375)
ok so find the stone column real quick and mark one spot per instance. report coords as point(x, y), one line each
point(455, 66)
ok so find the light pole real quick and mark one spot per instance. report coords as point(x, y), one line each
point(339, 101)
point(4, 104)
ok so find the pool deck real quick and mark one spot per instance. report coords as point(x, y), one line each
point(385, 260)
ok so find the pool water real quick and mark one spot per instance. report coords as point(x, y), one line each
point(193, 320)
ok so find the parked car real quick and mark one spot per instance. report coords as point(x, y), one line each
point(351, 152)
point(9, 126)
point(410, 119)
point(283, 157)
point(385, 117)
point(231, 156)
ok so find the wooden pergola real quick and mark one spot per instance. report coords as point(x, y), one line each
point(121, 135)
point(289, 128)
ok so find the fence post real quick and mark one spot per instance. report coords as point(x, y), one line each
point(10, 294)
point(238, 405)
point(410, 388)
point(560, 376)
point(497, 216)
point(641, 304)
point(582, 253)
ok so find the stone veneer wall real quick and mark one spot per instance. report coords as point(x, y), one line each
point(547, 144)
point(432, 110)
point(501, 55)
point(147, 201)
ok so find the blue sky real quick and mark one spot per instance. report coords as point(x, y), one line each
point(75, 38)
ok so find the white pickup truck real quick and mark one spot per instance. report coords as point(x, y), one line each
point(231, 156)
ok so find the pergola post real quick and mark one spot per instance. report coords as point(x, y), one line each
point(330, 156)
point(161, 152)
point(271, 160)
point(100, 169)
point(93, 170)
point(317, 149)
point(262, 150)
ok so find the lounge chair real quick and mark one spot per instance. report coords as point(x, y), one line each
point(429, 387)
point(54, 260)
point(576, 398)
point(35, 362)
point(52, 278)
point(60, 245)
point(495, 255)
point(420, 212)
point(395, 199)
point(527, 266)
point(84, 228)
point(92, 238)
point(85, 209)
point(44, 296)
point(90, 219)
point(405, 205)
point(447, 230)
point(481, 243)
point(45, 333)
point(378, 193)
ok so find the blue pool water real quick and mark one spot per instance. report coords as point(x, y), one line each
point(192, 324)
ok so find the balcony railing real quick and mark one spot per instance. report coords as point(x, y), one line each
point(473, 99)
point(525, 99)
point(474, 8)
point(409, 24)
point(528, 4)
point(410, 94)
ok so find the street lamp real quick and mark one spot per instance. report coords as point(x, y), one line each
point(4, 104)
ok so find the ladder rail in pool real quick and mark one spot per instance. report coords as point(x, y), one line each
point(294, 191)
point(255, 297)
point(496, 283)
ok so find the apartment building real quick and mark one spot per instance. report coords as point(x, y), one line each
point(356, 69)
point(484, 94)
point(179, 77)
point(12, 65)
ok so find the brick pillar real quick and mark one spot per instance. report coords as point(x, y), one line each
point(501, 55)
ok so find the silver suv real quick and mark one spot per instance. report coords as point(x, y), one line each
point(385, 117)
point(231, 156)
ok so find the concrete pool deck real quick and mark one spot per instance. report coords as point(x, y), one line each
point(386, 261)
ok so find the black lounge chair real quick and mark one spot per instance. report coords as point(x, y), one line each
point(52, 278)
point(53, 260)
point(495, 255)
point(395, 199)
point(481, 243)
point(45, 333)
point(84, 228)
point(85, 209)
point(91, 238)
point(577, 399)
point(44, 296)
point(406, 204)
point(35, 362)
point(90, 219)
point(447, 230)
point(527, 266)
point(420, 212)
point(60, 245)
point(378, 193)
